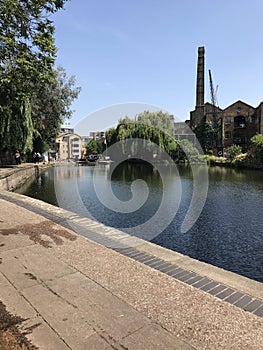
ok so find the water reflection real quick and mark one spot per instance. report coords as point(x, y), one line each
point(228, 233)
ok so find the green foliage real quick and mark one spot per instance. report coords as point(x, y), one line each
point(34, 97)
point(233, 151)
point(52, 105)
point(159, 120)
point(189, 152)
point(151, 126)
point(93, 147)
point(111, 136)
point(207, 135)
point(257, 143)
point(139, 130)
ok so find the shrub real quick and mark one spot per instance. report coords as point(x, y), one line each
point(257, 143)
point(233, 151)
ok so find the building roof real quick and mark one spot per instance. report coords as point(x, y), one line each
point(239, 102)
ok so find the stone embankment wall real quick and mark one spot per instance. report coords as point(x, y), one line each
point(13, 177)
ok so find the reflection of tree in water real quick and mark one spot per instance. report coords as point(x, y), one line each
point(127, 172)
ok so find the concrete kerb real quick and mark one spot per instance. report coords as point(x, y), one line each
point(104, 235)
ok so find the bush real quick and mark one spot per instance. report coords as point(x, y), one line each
point(257, 143)
point(233, 151)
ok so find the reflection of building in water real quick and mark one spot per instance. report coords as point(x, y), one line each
point(69, 172)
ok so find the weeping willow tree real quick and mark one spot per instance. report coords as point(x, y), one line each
point(28, 81)
point(151, 127)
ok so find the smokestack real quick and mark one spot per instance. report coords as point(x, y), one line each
point(200, 80)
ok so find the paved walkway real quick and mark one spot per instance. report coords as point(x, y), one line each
point(74, 293)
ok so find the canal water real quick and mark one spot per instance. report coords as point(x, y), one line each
point(227, 234)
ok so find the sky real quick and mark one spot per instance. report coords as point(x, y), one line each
point(142, 53)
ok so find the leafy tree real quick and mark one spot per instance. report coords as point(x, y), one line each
point(149, 126)
point(187, 151)
point(159, 120)
point(111, 136)
point(207, 135)
point(51, 106)
point(92, 147)
point(257, 144)
point(27, 56)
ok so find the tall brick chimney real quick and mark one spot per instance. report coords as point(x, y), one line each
point(200, 80)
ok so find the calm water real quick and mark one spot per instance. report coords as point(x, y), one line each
point(228, 233)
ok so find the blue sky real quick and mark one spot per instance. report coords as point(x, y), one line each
point(145, 51)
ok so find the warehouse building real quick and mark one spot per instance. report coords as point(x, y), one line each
point(238, 122)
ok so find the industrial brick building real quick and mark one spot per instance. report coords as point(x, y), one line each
point(238, 122)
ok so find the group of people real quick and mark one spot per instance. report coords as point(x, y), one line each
point(36, 157)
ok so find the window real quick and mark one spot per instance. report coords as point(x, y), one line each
point(228, 120)
point(228, 135)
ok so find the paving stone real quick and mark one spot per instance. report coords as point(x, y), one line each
point(154, 262)
point(185, 278)
point(104, 311)
point(201, 282)
point(167, 268)
point(157, 266)
point(234, 297)
point(172, 271)
point(217, 289)
point(192, 281)
point(39, 332)
point(143, 257)
point(138, 256)
point(132, 253)
point(30, 270)
point(243, 301)
point(225, 293)
point(253, 305)
point(15, 302)
point(22, 276)
point(14, 241)
point(73, 325)
point(209, 286)
point(154, 337)
point(179, 272)
point(98, 341)
point(182, 274)
point(148, 260)
point(259, 312)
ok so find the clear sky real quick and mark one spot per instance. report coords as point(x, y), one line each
point(145, 51)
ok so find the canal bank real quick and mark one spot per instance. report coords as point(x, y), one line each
point(13, 176)
point(75, 292)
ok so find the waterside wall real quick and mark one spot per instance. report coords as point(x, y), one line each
point(11, 177)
